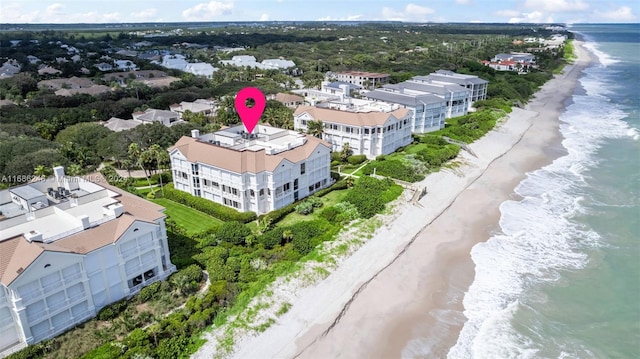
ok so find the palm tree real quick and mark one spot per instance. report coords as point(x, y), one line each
point(41, 171)
point(315, 128)
point(346, 152)
point(135, 154)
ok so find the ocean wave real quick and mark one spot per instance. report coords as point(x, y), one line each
point(539, 239)
point(604, 58)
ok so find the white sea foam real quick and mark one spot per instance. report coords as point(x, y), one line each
point(539, 240)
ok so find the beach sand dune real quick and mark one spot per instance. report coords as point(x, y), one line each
point(402, 291)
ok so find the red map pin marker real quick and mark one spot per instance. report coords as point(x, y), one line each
point(250, 115)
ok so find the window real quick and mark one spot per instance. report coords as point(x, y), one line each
point(252, 193)
point(196, 182)
point(194, 169)
point(302, 168)
point(261, 192)
point(234, 191)
point(206, 183)
point(287, 186)
point(215, 184)
point(366, 131)
point(295, 184)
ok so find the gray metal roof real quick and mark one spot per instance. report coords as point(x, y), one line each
point(403, 99)
point(458, 79)
point(26, 192)
point(427, 88)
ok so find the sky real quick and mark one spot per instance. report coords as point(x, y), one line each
point(503, 11)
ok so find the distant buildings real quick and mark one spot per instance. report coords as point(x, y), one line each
point(515, 61)
point(9, 68)
point(167, 118)
point(68, 247)
point(73, 85)
point(369, 80)
point(266, 64)
point(287, 99)
point(370, 133)
point(258, 172)
point(117, 124)
point(179, 62)
point(151, 78)
point(204, 106)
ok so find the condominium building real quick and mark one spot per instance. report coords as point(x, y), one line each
point(368, 80)
point(260, 172)
point(428, 112)
point(68, 247)
point(370, 133)
point(477, 86)
point(455, 96)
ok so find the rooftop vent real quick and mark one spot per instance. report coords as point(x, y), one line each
point(33, 236)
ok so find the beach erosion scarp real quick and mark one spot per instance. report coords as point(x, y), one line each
point(407, 282)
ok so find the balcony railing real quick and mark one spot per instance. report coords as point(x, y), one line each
point(72, 278)
point(55, 285)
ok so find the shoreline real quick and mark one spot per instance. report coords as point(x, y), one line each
point(415, 270)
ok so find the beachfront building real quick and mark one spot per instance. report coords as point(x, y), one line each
point(369, 80)
point(455, 96)
point(477, 86)
point(260, 172)
point(371, 133)
point(68, 247)
point(428, 112)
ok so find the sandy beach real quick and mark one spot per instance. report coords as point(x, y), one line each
point(401, 293)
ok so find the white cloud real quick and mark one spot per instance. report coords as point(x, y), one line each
point(411, 12)
point(508, 13)
point(145, 15)
point(463, 2)
point(264, 17)
point(532, 17)
point(623, 13)
point(54, 10)
point(208, 11)
point(556, 5)
point(13, 13)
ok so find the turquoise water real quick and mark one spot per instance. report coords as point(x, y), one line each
point(562, 280)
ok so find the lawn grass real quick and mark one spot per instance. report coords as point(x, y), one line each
point(193, 221)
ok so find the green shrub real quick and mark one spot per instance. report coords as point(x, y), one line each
point(233, 232)
point(209, 207)
point(147, 293)
point(356, 159)
point(334, 187)
point(335, 163)
point(381, 158)
point(347, 212)
point(330, 214)
point(335, 156)
point(271, 238)
point(304, 208)
point(395, 168)
point(366, 195)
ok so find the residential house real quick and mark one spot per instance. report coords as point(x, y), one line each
point(200, 69)
point(339, 88)
point(266, 64)
point(367, 133)
point(33, 59)
point(125, 65)
point(204, 106)
point(68, 247)
point(167, 118)
point(369, 80)
point(287, 99)
point(518, 57)
point(260, 172)
point(103, 66)
point(73, 85)
point(117, 124)
point(9, 68)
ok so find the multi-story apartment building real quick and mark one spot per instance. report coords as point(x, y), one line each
point(368, 80)
point(428, 112)
point(455, 96)
point(68, 247)
point(477, 86)
point(258, 172)
point(370, 133)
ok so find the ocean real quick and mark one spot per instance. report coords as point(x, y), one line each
point(561, 279)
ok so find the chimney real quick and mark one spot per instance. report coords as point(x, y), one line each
point(33, 236)
point(195, 133)
point(84, 220)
